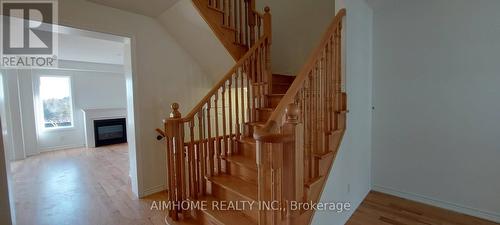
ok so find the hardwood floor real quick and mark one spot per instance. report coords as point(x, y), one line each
point(80, 186)
point(382, 209)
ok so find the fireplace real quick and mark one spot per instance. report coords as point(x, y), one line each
point(110, 131)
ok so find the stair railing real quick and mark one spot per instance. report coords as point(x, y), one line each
point(198, 143)
point(299, 131)
point(241, 16)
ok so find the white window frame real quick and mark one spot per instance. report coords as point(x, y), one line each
point(39, 104)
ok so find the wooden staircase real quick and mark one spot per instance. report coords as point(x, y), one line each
point(236, 23)
point(258, 140)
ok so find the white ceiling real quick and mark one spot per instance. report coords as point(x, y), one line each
point(152, 8)
point(88, 49)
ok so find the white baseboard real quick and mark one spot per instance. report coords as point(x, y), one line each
point(152, 190)
point(495, 217)
point(62, 147)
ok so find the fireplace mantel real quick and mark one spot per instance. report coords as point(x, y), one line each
point(89, 115)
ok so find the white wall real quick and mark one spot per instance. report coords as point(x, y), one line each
point(161, 72)
point(349, 180)
point(297, 27)
point(436, 96)
point(7, 203)
point(90, 89)
point(187, 26)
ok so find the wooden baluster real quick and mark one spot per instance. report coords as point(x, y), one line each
point(224, 121)
point(334, 84)
point(317, 110)
point(210, 141)
point(240, 15)
point(307, 129)
point(258, 78)
point(251, 20)
point(261, 76)
point(253, 88)
point(337, 80)
point(311, 126)
point(242, 95)
point(217, 140)
point(224, 8)
point(230, 104)
point(201, 153)
point(235, 20)
point(192, 163)
point(259, 27)
point(230, 14)
point(247, 25)
point(324, 100)
point(236, 105)
point(251, 118)
point(329, 76)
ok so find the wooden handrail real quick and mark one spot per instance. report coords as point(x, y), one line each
point(224, 79)
point(289, 97)
point(197, 143)
point(161, 134)
point(303, 126)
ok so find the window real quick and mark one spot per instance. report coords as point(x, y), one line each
point(56, 104)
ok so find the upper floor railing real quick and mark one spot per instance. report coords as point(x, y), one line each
point(241, 16)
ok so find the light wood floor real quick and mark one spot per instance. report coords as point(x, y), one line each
point(80, 187)
point(382, 209)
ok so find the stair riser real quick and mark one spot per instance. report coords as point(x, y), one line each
point(226, 195)
point(243, 172)
point(283, 79)
point(280, 88)
point(247, 150)
point(273, 101)
point(264, 115)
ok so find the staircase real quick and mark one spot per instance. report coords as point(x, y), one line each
point(236, 23)
point(257, 140)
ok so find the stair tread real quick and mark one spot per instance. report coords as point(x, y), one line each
point(243, 161)
point(226, 216)
point(236, 185)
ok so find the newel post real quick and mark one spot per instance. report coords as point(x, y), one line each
point(267, 23)
point(175, 159)
point(293, 161)
point(251, 21)
point(268, 32)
